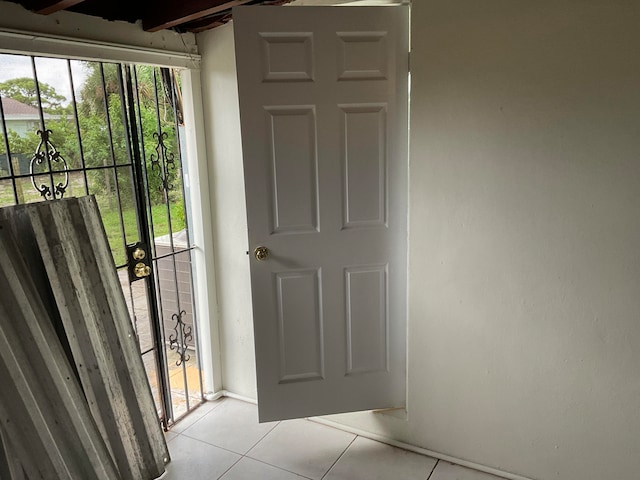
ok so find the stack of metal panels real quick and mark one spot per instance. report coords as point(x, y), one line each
point(75, 401)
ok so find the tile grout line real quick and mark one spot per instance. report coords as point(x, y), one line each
point(276, 466)
point(185, 433)
point(261, 438)
point(234, 464)
point(195, 421)
point(433, 469)
point(210, 444)
point(339, 457)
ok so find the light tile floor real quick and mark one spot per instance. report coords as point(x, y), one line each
point(223, 440)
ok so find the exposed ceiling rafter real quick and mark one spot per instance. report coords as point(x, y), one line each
point(181, 15)
point(47, 7)
point(170, 13)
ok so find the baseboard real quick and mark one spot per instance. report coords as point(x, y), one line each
point(226, 393)
point(389, 441)
point(210, 396)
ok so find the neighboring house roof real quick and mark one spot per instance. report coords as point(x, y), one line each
point(15, 110)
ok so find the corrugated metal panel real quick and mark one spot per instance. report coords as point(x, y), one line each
point(10, 466)
point(70, 238)
point(45, 419)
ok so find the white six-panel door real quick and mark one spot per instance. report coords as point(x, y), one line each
point(323, 106)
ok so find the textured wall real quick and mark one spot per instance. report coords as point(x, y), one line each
point(222, 118)
point(524, 233)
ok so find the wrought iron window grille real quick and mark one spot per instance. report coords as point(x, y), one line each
point(178, 340)
point(163, 153)
point(47, 153)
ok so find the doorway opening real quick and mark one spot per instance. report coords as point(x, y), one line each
point(116, 131)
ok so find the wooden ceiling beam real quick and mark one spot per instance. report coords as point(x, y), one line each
point(169, 13)
point(206, 26)
point(47, 7)
point(206, 23)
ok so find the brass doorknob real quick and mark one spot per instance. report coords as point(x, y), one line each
point(261, 253)
point(138, 254)
point(141, 270)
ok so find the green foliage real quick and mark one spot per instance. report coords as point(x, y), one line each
point(56, 119)
point(23, 90)
point(103, 123)
point(62, 137)
point(153, 121)
point(95, 131)
point(111, 221)
point(22, 144)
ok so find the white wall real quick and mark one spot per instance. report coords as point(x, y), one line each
point(524, 339)
point(224, 149)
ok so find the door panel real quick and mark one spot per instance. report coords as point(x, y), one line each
point(300, 325)
point(362, 56)
point(287, 57)
point(323, 106)
point(366, 297)
point(364, 157)
point(294, 166)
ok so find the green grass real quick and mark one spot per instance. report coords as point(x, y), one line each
point(110, 216)
point(111, 221)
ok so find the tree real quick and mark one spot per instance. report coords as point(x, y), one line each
point(23, 90)
point(103, 123)
point(57, 117)
point(22, 144)
point(95, 134)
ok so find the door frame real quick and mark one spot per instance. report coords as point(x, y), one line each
point(23, 42)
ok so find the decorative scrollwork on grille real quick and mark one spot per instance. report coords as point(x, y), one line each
point(178, 340)
point(162, 152)
point(46, 153)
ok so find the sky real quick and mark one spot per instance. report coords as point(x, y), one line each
point(49, 70)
